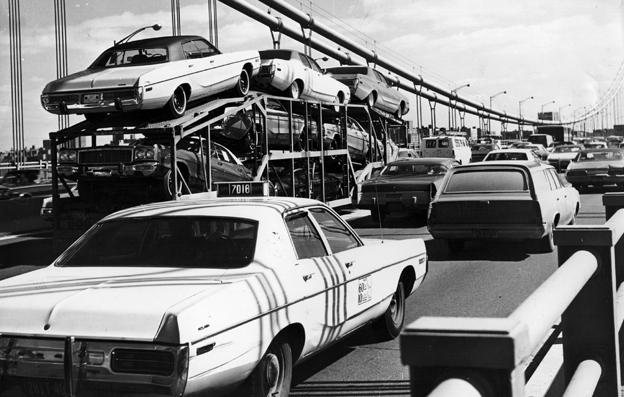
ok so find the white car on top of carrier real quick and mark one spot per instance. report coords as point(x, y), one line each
point(201, 296)
point(299, 76)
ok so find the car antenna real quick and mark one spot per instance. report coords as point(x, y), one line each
point(156, 26)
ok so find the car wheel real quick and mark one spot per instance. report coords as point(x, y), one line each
point(177, 104)
point(294, 91)
point(370, 99)
point(390, 324)
point(547, 243)
point(169, 184)
point(242, 87)
point(273, 374)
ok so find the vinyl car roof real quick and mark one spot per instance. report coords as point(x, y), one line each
point(425, 160)
point(164, 41)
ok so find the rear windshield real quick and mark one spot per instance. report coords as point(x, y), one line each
point(566, 149)
point(186, 242)
point(487, 181)
point(605, 155)
point(413, 169)
point(275, 54)
point(131, 56)
point(506, 156)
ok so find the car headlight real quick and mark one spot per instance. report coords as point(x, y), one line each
point(68, 155)
point(144, 154)
point(45, 99)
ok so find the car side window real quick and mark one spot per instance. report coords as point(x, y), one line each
point(205, 48)
point(305, 237)
point(337, 234)
point(315, 66)
point(190, 50)
point(305, 61)
point(554, 181)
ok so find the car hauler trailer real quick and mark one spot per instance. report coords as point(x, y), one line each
point(147, 159)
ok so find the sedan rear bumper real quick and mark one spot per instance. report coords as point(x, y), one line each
point(391, 202)
point(488, 231)
point(600, 179)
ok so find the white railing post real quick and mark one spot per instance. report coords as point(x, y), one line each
point(590, 331)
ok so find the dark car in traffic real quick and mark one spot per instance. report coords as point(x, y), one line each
point(480, 150)
point(404, 185)
point(597, 167)
point(26, 183)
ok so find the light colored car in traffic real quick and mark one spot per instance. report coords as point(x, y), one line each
point(512, 154)
point(198, 297)
point(502, 200)
point(299, 76)
point(162, 72)
point(449, 146)
point(372, 87)
point(562, 155)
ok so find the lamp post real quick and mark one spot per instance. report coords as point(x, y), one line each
point(520, 113)
point(489, 119)
point(454, 93)
point(547, 103)
point(561, 108)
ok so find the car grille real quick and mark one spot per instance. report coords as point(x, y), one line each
point(105, 156)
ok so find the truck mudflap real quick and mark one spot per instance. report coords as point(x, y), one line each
point(71, 367)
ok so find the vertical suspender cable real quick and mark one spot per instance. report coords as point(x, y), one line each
point(17, 105)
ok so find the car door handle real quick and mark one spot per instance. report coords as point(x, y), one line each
point(190, 66)
point(307, 277)
point(349, 264)
point(212, 61)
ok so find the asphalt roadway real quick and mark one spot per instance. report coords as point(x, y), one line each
point(484, 280)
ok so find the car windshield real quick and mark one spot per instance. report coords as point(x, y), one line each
point(487, 181)
point(413, 169)
point(168, 241)
point(276, 54)
point(605, 155)
point(506, 156)
point(115, 57)
point(566, 149)
point(348, 70)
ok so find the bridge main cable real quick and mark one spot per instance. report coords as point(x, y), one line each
point(276, 23)
point(371, 56)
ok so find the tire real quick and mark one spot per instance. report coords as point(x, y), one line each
point(547, 243)
point(243, 84)
point(294, 91)
point(390, 324)
point(177, 104)
point(273, 374)
point(370, 99)
point(168, 184)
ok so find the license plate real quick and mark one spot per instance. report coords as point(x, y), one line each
point(91, 98)
point(238, 189)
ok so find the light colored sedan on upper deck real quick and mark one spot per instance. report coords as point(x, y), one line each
point(199, 297)
point(162, 72)
point(299, 76)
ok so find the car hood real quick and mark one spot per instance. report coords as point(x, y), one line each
point(106, 78)
point(589, 165)
point(562, 156)
point(106, 303)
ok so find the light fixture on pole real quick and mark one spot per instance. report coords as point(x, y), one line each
point(547, 103)
point(454, 93)
point(520, 112)
point(492, 97)
point(131, 35)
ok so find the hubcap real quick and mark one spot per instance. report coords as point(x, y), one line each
point(243, 83)
point(272, 371)
point(178, 100)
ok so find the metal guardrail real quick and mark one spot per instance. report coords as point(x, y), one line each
point(466, 356)
point(41, 164)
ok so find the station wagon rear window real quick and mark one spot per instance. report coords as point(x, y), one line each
point(487, 181)
point(168, 241)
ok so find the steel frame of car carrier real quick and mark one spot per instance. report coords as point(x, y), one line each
point(198, 121)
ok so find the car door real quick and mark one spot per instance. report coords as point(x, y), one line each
point(364, 286)
point(553, 196)
point(386, 91)
point(323, 281)
point(307, 75)
point(325, 86)
point(564, 204)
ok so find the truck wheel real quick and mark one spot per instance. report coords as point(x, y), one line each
point(177, 104)
point(273, 374)
point(390, 324)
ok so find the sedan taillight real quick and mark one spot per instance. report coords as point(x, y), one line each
point(137, 361)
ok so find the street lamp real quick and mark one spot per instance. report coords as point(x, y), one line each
point(492, 97)
point(520, 113)
point(454, 93)
point(547, 103)
point(128, 37)
point(561, 108)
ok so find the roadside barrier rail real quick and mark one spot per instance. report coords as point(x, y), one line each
point(41, 164)
point(489, 357)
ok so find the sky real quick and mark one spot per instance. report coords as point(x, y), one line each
point(567, 51)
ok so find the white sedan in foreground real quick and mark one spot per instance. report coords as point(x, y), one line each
point(299, 76)
point(197, 297)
